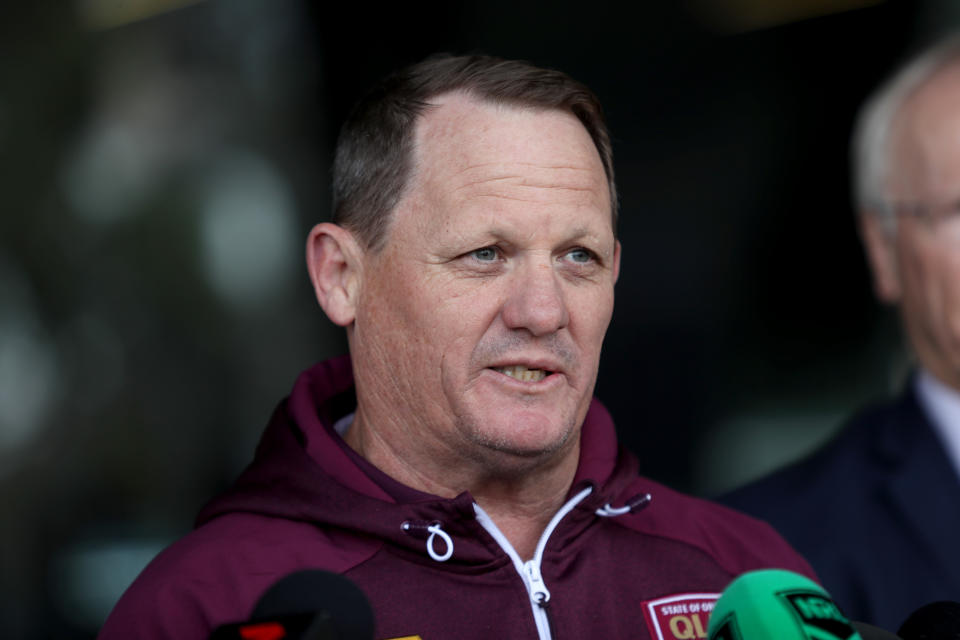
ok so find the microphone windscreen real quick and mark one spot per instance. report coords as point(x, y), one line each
point(336, 601)
point(774, 604)
point(934, 621)
point(870, 632)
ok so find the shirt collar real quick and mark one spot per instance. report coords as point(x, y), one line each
point(941, 403)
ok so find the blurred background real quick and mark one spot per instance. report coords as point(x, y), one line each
point(163, 160)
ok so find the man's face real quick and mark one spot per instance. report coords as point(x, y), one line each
point(925, 254)
point(478, 327)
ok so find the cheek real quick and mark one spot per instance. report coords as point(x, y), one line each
point(950, 281)
point(397, 291)
point(466, 323)
point(591, 314)
point(435, 320)
point(450, 319)
point(389, 328)
point(931, 284)
point(919, 267)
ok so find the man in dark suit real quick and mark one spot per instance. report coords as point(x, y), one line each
point(877, 510)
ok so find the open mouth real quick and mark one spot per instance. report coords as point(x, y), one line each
point(522, 373)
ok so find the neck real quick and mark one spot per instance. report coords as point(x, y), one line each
point(522, 523)
point(520, 495)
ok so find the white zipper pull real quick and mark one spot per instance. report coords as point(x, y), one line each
point(538, 590)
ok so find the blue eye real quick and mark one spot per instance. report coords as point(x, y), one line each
point(485, 254)
point(581, 256)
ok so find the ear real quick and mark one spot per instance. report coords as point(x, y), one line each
point(880, 243)
point(616, 261)
point(334, 261)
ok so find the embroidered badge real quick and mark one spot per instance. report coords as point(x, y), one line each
point(682, 616)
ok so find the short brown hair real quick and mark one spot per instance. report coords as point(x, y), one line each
point(374, 153)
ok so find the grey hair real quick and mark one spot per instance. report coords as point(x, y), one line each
point(870, 148)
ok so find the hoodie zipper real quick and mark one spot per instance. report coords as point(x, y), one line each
point(530, 571)
point(540, 597)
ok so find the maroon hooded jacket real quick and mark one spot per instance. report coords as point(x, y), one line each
point(624, 558)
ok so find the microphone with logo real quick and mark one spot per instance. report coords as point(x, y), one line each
point(306, 605)
point(774, 604)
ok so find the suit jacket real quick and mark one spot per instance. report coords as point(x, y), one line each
point(876, 511)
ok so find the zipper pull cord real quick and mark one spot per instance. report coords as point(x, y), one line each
point(435, 529)
point(636, 503)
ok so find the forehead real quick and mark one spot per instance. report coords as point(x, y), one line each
point(463, 144)
point(455, 118)
point(926, 134)
point(936, 97)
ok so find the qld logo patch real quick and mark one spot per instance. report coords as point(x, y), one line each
point(682, 616)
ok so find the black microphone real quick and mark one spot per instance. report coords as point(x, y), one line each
point(306, 605)
point(934, 621)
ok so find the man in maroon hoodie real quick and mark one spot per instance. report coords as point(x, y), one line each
point(456, 466)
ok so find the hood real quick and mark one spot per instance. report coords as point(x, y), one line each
point(304, 471)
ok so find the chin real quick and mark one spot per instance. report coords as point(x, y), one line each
point(522, 436)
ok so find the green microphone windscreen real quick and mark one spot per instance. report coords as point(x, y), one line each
point(773, 604)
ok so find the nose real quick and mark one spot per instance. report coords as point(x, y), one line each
point(536, 300)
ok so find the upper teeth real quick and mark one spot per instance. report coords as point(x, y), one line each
point(522, 373)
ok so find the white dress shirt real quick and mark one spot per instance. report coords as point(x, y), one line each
point(942, 406)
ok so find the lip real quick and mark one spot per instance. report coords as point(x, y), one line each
point(553, 379)
point(545, 364)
